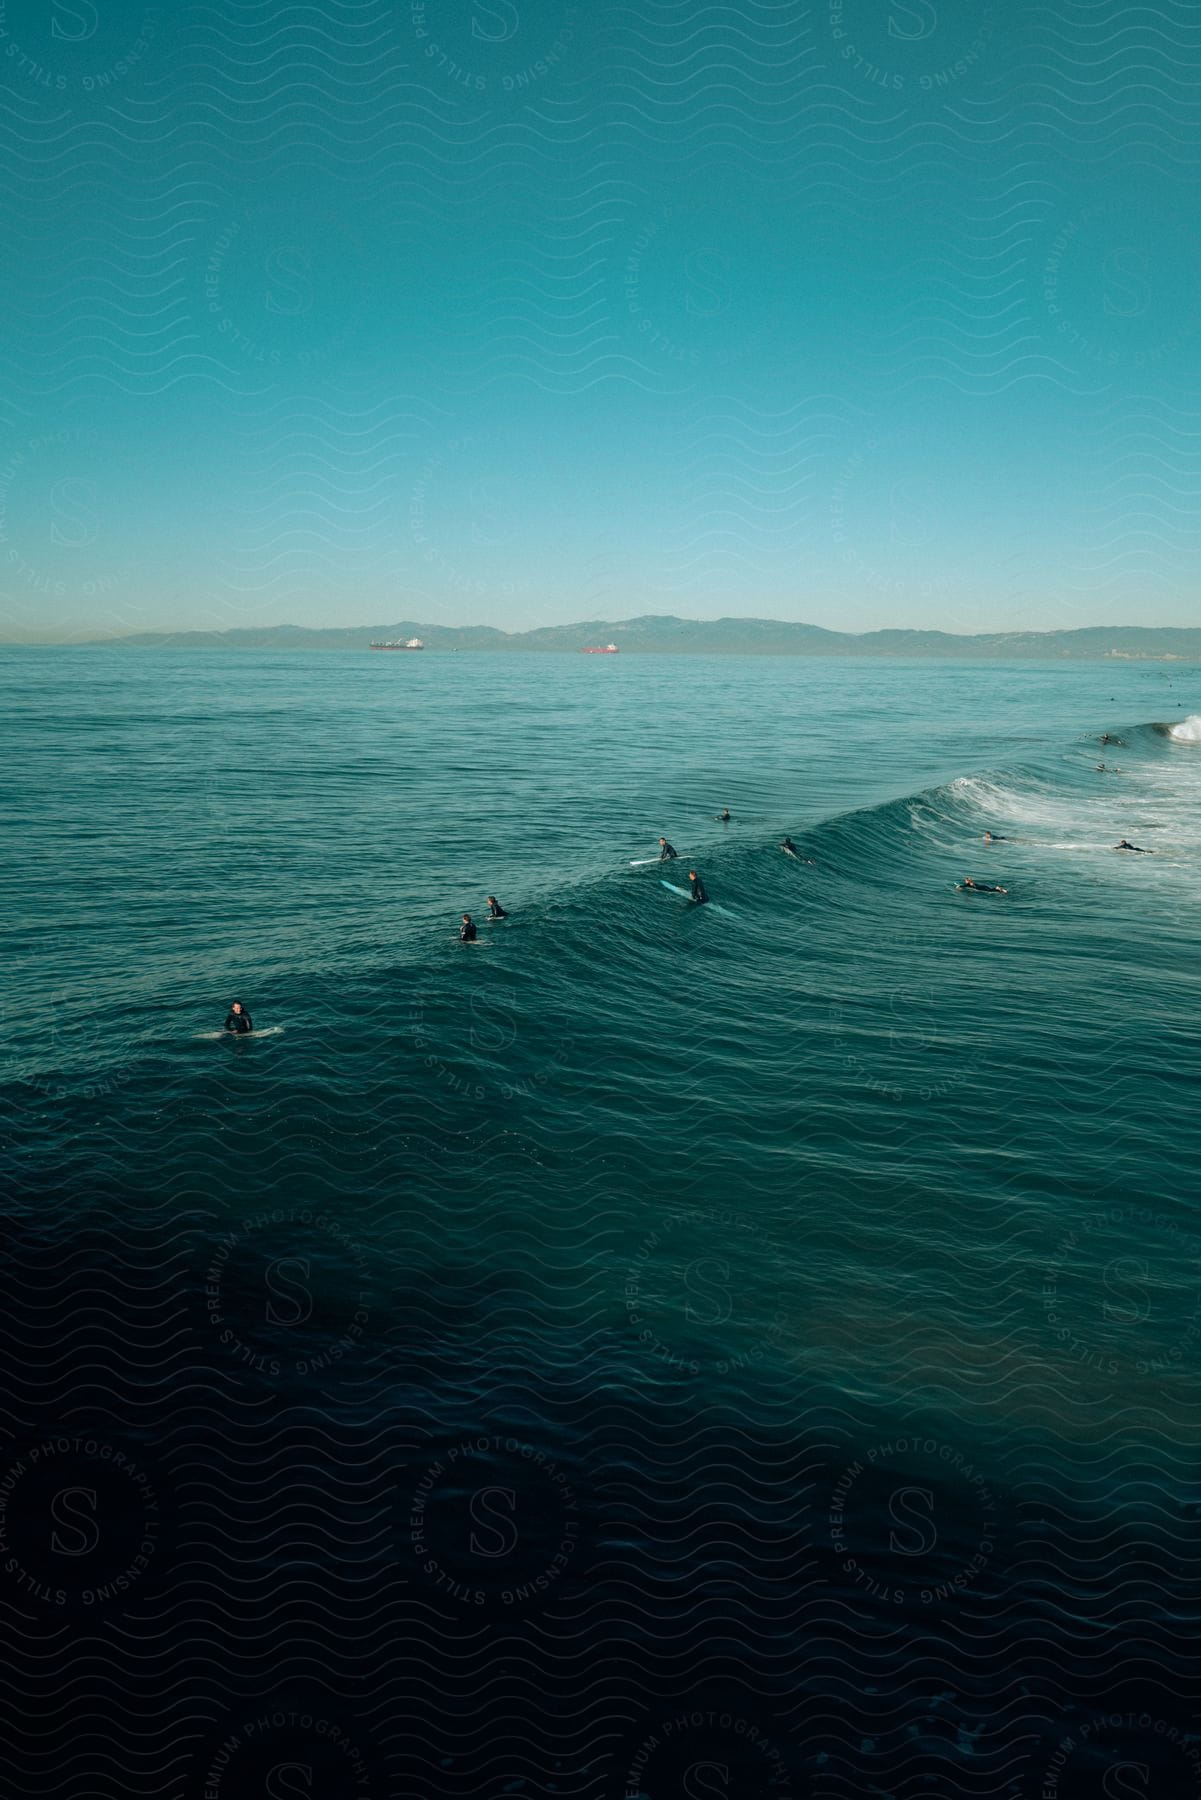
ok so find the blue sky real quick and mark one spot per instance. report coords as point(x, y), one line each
point(516, 312)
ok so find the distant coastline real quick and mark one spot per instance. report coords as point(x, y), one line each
point(653, 634)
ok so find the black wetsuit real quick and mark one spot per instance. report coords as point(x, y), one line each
point(467, 932)
point(667, 853)
point(789, 846)
point(1137, 848)
point(978, 887)
point(698, 890)
point(496, 910)
point(239, 1022)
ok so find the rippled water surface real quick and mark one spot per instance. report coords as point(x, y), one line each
point(782, 1314)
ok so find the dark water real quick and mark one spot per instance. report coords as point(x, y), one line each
point(658, 1351)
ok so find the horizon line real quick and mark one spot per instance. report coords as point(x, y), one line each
point(133, 638)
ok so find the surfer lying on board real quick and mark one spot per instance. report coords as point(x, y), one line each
point(789, 848)
point(993, 837)
point(238, 1019)
point(666, 853)
point(1106, 739)
point(495, 909)
point(1137, 848)
point(979, 887)
point(698, 887)
point(467, 930)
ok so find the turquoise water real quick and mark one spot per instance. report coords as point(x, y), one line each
point(797, 1273)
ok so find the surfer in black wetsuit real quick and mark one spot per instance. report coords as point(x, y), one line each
point(789, 848)
point(467, 930)
point(724, 815)
point(993, 837)
point(666, 853)
point(1137, 848)
point(978, 887)
point(495, 909)
point(698, 887)
point(1106, 739)
point(238, 1019)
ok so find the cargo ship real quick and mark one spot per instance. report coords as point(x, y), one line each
point(599, 650)
point(395, 644)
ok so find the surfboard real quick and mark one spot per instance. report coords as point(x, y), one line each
point(646, 862)
point(266, 1031)
point(708, 905)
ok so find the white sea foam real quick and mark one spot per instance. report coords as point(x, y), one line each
point(1153, 803)
point(1188, 731)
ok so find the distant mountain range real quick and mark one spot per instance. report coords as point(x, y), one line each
point(653, 635)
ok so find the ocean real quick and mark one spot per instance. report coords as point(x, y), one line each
point(656, 1350)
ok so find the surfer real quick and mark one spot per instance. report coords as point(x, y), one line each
point(698, 887)
point(724, 815)
point(666, 853)
point(1106, 739)
point(495, 909)
point(979, 887)
point(993, 837)
point(238, 1019)
point(1137, 848)
point(467, 930)
point(789, 848)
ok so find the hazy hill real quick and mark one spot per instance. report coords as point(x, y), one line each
point(655, 634)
